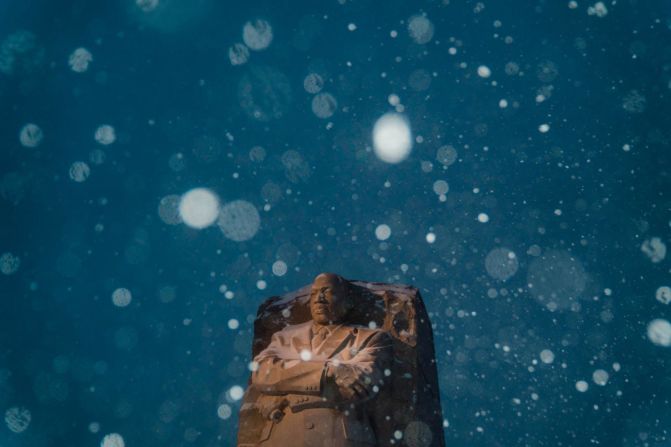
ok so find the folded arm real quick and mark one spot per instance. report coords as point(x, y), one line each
point(279, 371)
point(356, 377)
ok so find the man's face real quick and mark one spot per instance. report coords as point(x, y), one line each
point(328, 303)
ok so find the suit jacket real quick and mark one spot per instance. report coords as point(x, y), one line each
point(290, 377)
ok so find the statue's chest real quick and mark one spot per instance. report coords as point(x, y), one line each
point(341, 348)
point(342, 351)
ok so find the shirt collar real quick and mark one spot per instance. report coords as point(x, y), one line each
point(329, 328)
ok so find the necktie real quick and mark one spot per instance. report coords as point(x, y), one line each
point(318, 338)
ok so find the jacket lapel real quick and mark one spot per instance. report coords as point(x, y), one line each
point(302, 341)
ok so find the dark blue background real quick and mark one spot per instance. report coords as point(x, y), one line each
point(171, 65)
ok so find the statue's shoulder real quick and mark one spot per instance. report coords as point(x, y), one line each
point(366, 331)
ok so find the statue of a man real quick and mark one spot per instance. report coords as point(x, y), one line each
point(316, 378)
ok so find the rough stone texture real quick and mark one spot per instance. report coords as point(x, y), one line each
point(412, 401)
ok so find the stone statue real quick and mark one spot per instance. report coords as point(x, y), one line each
point(314, 377)
point(326, 381)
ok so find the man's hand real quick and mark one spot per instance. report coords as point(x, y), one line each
point(351, 381)
point(270, 405)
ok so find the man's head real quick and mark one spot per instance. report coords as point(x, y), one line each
point(330, 298)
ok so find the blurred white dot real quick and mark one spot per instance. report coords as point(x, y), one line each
point(168, 209)
point(79, 171)
point(600, 377)
point(543, 128)
point(547, 356)
point(351, 27)
point(279, 268)
point(420, 29)
point(503, 103)
point(199, 208)
point(581, 386)
point(483, 218)
point(80, 59)
point(659, 332)
point(9, 263)
point(654, 248)
point(224, 411)
point(94, 427)
point(394, 100)
point(97, 156)
point(121, 297)
point(105, 134)
point(253, 366)
point(446, 155)
point(257, 34)
point(233, 324)
point(177, 162)
point(663, 295)
point(392, 139)
point(430, 238)
point(238, 54)
point(167, 294)
point(599, 9)
point(398, 434)
point(501, 263)
point(534, 250)
point(112, 440)
point(17, 419)
point(324, 105)
point(382, 232)
point(441, 187)
point(147, 5)
point(239, 220)
point(313, 83)
point(236, 392)
point(31, 135)
point(261, 284)
point(257, 154)
point(305, 354)
point(484, 71)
